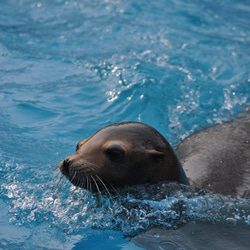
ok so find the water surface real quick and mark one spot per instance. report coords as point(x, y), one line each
point(70, 67)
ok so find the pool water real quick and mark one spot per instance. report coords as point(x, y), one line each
point(67, 68)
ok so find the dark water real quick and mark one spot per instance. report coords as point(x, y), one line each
point(67, 68)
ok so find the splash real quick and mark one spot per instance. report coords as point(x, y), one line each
point(131, 210)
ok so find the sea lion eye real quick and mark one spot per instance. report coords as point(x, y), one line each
point(115, 154)
point(80, 143)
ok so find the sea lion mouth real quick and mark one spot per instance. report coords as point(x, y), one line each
point(70, 168)
point(83, 175)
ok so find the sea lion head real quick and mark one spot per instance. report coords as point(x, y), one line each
point(127, 153)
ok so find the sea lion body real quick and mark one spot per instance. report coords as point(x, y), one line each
point(131, 153)
point(217, 158)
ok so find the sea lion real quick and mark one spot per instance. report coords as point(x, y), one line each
point(131, 153)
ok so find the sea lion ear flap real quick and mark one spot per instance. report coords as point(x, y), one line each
point(155, 153)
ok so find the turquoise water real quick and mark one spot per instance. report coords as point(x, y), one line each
point(67, 68)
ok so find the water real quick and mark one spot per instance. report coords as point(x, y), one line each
point(70, 67)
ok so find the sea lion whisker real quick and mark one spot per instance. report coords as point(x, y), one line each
point(82, 182)
point(58, 183)
point(99, 199)
point(78, 181)
point(111, 185)
point(57, 179)
point(105, 187)
point(57, 172)
point(87, 182)
point(97, 187)
point(74, 177)
point(55, 175)
point(54, 166)
point(62, 184)
point(90, 186)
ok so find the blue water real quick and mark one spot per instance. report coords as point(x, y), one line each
point(67, 68)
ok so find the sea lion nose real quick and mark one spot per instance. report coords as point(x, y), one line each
point(65, 166)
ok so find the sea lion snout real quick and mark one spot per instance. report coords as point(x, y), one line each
point(80, 172)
